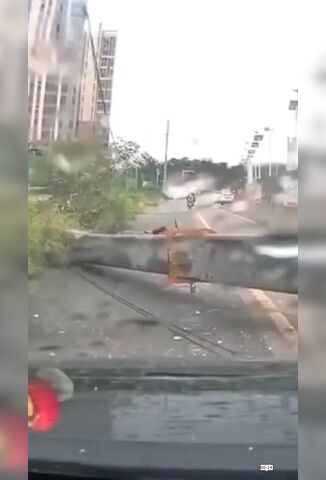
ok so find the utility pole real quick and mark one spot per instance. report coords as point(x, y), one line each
point(137, 176)
point(270, 153)
point(165, 171)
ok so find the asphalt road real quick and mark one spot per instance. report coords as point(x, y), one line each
point(108, 314)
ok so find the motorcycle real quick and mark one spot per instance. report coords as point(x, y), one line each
point(191, 200)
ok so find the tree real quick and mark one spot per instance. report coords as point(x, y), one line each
point(126, 153)
point(149, 168)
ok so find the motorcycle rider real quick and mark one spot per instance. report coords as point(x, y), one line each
point(191, 200)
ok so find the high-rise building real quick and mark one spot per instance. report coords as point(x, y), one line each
point(12, 61)
point(97, 84)
point(55, 42)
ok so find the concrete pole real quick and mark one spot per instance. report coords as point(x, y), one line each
point(270, 153)
point(165, 172)
point(250, 177)
point(137, 176)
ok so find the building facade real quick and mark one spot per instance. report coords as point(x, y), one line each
point(97, 84)
point(55, 54)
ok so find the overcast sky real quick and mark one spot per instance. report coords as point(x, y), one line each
point(217, 69)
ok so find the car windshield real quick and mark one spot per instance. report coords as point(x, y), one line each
point(113, 157)
point(162, 199)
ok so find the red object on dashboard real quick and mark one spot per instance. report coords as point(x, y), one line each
point(43, 406)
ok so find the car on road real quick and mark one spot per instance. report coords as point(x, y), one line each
point(224, 197)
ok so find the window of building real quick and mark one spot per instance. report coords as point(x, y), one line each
point(51, 87)
point(47, 122)
point(112, 46)
point(106, 84)
point(49, 110)
point(50, 98)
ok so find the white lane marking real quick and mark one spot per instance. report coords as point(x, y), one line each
point(203, 221)
point(243, 218)
point(280, 320)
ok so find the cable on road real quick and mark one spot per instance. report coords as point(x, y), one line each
point(191, 337)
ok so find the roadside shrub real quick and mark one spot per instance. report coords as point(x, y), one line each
point(113, 209)
point(46, 233)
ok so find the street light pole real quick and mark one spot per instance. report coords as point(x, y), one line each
point(250, 178)
point(269, 130)
point(166, 154)
point(270, 153)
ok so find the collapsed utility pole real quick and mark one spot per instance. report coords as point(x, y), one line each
point(267, 262)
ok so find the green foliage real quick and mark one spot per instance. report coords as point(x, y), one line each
point(114, 208)
point(88, 190)
point(46, 232)
point(126, 153)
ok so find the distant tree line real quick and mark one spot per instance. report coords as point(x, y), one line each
point(223, 174)
point(152, 170)
point(128, 159)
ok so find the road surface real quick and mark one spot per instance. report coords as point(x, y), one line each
point(92, 315)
